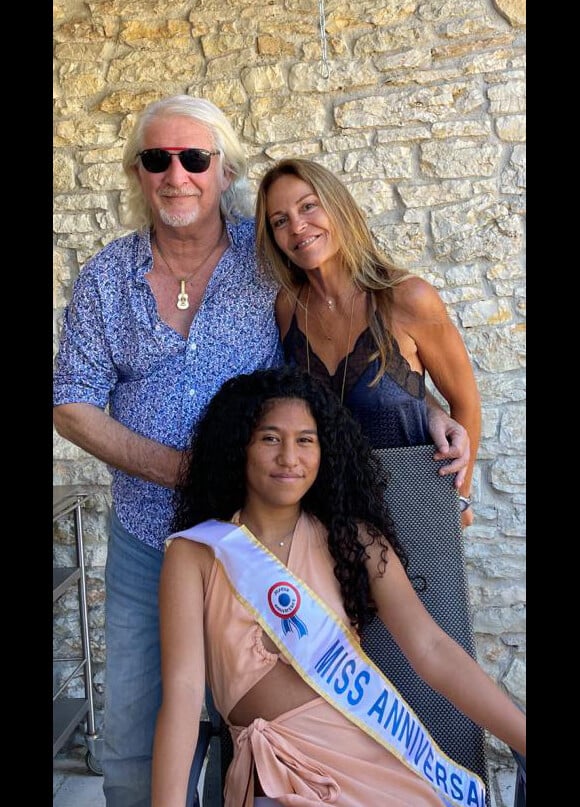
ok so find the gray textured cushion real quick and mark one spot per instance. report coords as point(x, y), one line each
point(425, 509)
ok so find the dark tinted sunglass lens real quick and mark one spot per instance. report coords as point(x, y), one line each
point(194, 160)
point(155, 160)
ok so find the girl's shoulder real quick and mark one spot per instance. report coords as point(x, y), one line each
point(189, 551)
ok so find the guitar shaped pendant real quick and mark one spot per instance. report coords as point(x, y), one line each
point(183, 297)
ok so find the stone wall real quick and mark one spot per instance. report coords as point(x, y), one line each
point(419, 107)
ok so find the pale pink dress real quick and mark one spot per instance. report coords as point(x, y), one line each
point(311, 755)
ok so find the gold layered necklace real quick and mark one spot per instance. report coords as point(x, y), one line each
point(347, 344)
point(182, 302)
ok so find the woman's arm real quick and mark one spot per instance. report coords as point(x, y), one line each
point(439, 660)
point(442, 352)
point(181, 599)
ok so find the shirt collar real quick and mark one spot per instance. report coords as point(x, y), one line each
point(144, 252)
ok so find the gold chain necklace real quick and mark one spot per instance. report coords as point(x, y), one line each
point(347, 344)
point(182, 301)
point(280, 541)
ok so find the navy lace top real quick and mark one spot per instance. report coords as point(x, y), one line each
point(393, 413)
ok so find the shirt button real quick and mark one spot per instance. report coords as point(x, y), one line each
point(191, 393)
point(193, 346)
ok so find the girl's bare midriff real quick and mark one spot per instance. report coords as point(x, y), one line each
point(279, 691)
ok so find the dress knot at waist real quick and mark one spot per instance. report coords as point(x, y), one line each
point(285, 772)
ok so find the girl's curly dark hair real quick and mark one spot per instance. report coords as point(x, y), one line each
point(348, 490)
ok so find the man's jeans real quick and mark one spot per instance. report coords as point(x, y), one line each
point(133, 672)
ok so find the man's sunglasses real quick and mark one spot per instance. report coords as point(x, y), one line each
point(196, 161)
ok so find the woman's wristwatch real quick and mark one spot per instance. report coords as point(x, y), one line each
point(464, 503)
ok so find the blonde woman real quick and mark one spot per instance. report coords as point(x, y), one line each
point(372, 333)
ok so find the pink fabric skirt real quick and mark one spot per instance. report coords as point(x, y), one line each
point(313, 755)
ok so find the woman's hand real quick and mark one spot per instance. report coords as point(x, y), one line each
point(452, 443)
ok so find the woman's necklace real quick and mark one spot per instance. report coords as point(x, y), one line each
point(182, 301)
point(282, 541)
point(347, 344)
point(287, 538)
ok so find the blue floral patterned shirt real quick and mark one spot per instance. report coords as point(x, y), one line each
point(115, 350)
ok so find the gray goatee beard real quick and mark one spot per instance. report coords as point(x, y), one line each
point(176, 219)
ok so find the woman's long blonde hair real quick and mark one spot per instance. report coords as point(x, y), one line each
point(368, 268)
